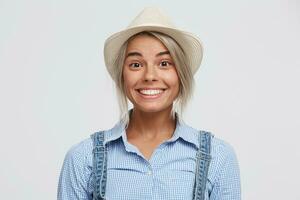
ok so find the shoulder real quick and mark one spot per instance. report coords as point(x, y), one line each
point(80, 153)
point(221, 148)
point(81, 147)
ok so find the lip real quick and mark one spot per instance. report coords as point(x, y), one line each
point(147, 88)
point(151, 96)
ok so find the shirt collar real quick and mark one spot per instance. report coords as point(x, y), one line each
point(182, 131)
point(186, 133)
point(115, 133)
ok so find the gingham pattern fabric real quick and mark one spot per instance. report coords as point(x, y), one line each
point(169, 174)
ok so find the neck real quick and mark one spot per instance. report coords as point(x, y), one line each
point(151, 125)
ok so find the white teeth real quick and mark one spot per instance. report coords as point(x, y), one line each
point(150, 92)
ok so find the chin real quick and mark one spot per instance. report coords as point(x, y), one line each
point(151, 108)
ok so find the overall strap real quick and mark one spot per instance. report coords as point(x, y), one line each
point(99, 165)
point(203, 159)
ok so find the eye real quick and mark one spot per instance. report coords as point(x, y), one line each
point(135, 65)
point(165, 63)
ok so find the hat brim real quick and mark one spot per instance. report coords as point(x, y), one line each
point(190, 44)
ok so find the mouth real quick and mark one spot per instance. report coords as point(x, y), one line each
point(151, 93)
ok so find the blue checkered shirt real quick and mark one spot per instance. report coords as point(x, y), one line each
point(169, 174)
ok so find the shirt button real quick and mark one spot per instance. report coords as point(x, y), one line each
point(149, 173)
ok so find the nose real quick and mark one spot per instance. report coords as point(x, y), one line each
point(150, 73)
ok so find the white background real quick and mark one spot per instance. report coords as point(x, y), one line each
point(55, 90)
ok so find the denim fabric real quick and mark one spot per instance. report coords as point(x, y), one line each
point(203, 158)
point(169, 174)
point(99, 166)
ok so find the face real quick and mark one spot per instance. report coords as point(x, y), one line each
point(150, 77)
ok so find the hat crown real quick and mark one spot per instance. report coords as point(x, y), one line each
point(151, 16)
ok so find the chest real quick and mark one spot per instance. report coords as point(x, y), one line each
point(170, 172)
point(146, 149)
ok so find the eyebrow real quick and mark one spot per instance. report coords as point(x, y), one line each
point(139, 54)
point(163, 53)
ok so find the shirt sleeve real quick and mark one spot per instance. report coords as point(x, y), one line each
point(74, 176)
point(227, 186)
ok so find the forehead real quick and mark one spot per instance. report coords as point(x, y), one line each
point(145, 42)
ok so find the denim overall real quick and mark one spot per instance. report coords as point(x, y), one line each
point(203, 159)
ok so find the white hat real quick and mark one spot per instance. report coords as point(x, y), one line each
point(153, 19)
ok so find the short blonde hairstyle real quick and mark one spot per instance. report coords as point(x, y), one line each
point(185, 74)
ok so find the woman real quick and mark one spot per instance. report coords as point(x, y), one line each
point(151, 153)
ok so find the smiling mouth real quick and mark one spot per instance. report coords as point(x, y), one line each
point(151, 92)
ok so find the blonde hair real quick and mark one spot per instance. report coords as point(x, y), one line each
point(184, 72)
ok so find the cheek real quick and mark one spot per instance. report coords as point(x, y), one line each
point(174, 83)
point(129, 80)
point(172, 79)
